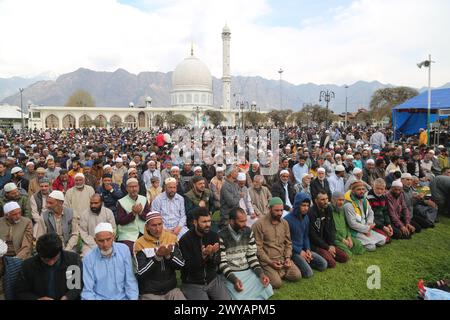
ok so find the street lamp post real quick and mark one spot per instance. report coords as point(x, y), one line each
point(197, 110)
point(21, 107)
point(427, 64)
point(281, 97)
point(327, 96)
point(346, 100)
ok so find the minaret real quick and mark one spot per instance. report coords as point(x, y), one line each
point(226, 79)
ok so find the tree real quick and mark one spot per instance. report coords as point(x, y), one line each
point(255, 118)
point(315, 113)
point(179, 120)
point(383, 100)
point(215, 117)
point(80, 98)
point(159, 120)
point(279, 117)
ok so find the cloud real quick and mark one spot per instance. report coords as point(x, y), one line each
point(367, 40)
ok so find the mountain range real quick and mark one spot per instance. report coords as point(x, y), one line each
point(119, 88)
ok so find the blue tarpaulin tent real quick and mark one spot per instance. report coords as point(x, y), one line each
point(411, 115)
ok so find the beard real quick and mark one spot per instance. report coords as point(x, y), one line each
point(359, 196)
point(96, 210)
point(106, 253)
point(79, 187)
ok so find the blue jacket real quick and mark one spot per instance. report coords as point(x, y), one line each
point(110, 198)
point(299, 226)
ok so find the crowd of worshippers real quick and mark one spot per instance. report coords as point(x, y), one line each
point(132, 223)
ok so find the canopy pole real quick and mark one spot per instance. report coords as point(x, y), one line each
point(429, 102)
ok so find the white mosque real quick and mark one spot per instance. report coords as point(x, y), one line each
point(191, 95)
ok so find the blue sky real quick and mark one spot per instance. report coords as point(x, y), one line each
point(324, 42)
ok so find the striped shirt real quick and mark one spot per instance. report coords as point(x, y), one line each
point(237, 252)
point(172, 210)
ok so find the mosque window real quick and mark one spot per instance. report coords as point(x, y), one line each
point(189, 98)
point(203, 98)
point(196, 100)
point(181, 98)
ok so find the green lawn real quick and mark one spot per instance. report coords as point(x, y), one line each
point(402, 263)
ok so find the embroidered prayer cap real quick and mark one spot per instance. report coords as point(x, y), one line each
point(175, 168)
point(241, 176)
point(284, 172)
point(79, 175)
point(397, 183)
point(132, 180)
point(10, 187)
point(197, 168)
point(357, 184)
point(152, 215)
point(119, 160)
point(170, 180)
point(321, 170)
point(57, 195)
point(275, 201)
point(339, 168)
point(16, 169)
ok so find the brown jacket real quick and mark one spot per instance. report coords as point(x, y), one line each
point(273, 241)
point(22, 236)
point(260, 200)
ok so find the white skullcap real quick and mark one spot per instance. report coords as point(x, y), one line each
point(397, 183)
point(441, 146)
point(321, 170)
point(431, 151)
point(339, 168)
point(357, 171)
point(152, 154)
point(10, 187)
point(220, 169)
point(119, 160)
point(132, 180)
point(30, 163)
point(15, 170)
point(132, 163)
point(151, 161)
point(284, 172)
point(371, 161)
point(407, 150)
point(79, 174)
point(349, 149)
point(104, 227)
point(350, 157)
point(197, 168)
point(255, 162)
point(338, 155)
point(10, 206)
point(106, 166)
point(3, 248)
point(170, 180)
point(49, 157)
point(175, 168)
point(57, 195)
point(241, 176)
point(376, 151)
point(305, 175)
point(406, 176)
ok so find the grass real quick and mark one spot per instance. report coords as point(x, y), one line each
point(402, 263)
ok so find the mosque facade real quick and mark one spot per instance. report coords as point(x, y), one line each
point(191, 95)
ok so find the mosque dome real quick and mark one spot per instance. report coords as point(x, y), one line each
point(192, 73)
point(191, 83)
